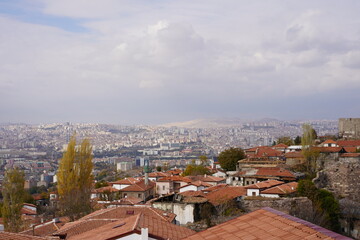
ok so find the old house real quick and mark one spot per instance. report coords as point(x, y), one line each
point(278, 191)
point(255, 189)
point(141, 189)
point(171, 184)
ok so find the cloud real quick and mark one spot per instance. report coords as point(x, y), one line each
point(162, 53)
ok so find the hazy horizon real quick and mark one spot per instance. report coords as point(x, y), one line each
point(154, 62)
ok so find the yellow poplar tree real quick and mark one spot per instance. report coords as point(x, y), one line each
point(13, 199)
point(75, 179)
point(307, 142)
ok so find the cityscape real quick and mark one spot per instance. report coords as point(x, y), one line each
point(179, 120)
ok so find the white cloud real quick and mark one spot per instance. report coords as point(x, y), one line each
point(133, 52)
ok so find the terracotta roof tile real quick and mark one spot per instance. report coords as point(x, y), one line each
point(139, 187)
point(225, 194)
point(105, 189)
point(348, 143)
point(47, 228)
point(328, 149)
point(157, 228)
point(286, 188)
point(123, 211)
point(275, 225)
point(19, 236)
point(264, 184)
point(175, 179)
point(126, 181)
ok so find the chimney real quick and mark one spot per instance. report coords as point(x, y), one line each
point(144, 233)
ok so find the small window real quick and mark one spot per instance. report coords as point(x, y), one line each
point(254, 193)
point(139, 195)
point(163, 187)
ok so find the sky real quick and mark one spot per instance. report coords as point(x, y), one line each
point(160, 61)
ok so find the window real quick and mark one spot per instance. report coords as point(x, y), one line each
point(125, 195)
point(163, 187)
point(139, 195)
point(254, 193)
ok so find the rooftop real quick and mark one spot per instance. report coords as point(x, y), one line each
point(268, 224)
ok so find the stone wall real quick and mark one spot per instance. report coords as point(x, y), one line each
point(300, 207)
point(341, 178)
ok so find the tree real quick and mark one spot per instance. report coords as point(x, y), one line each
point(297, 140)
point(229, 158)
point(310, 155)
point(203, 159)
point(285, 140)
point(326, 207)
point(13, 200)
point(193, 170)
point(75, 179)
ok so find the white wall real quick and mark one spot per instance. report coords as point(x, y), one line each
point(134, 236)
point(270, 195)
point(250, 192)
point(184, 212)
point(162, 188)
point(188, 188)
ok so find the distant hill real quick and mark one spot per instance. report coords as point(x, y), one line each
point(208, 123)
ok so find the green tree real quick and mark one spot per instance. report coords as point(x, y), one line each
point(229, 158)
point(285, 140)
point(326, 206)
point(75, 179)
point(13, 200)
point(297, 140)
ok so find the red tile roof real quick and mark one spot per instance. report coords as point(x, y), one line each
point(264, 184)
point(328, 149)
point(129, 201)
point(19, 236)
point(350, 149)
point(139, 187)
point(174, 172)
point(124, 211)
point(286, 188)
point(47, 228)
point(72, 229)
point(225, 194)
point(198, 184)
point(266, 224)
point(214, 188)
point(262, 151)
point(207, 178)
point(126, 181)
point(157, 229)
point(274, 172)
point(329, 141)
point(175, 179)
point(105, 189)
point(348, 143)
